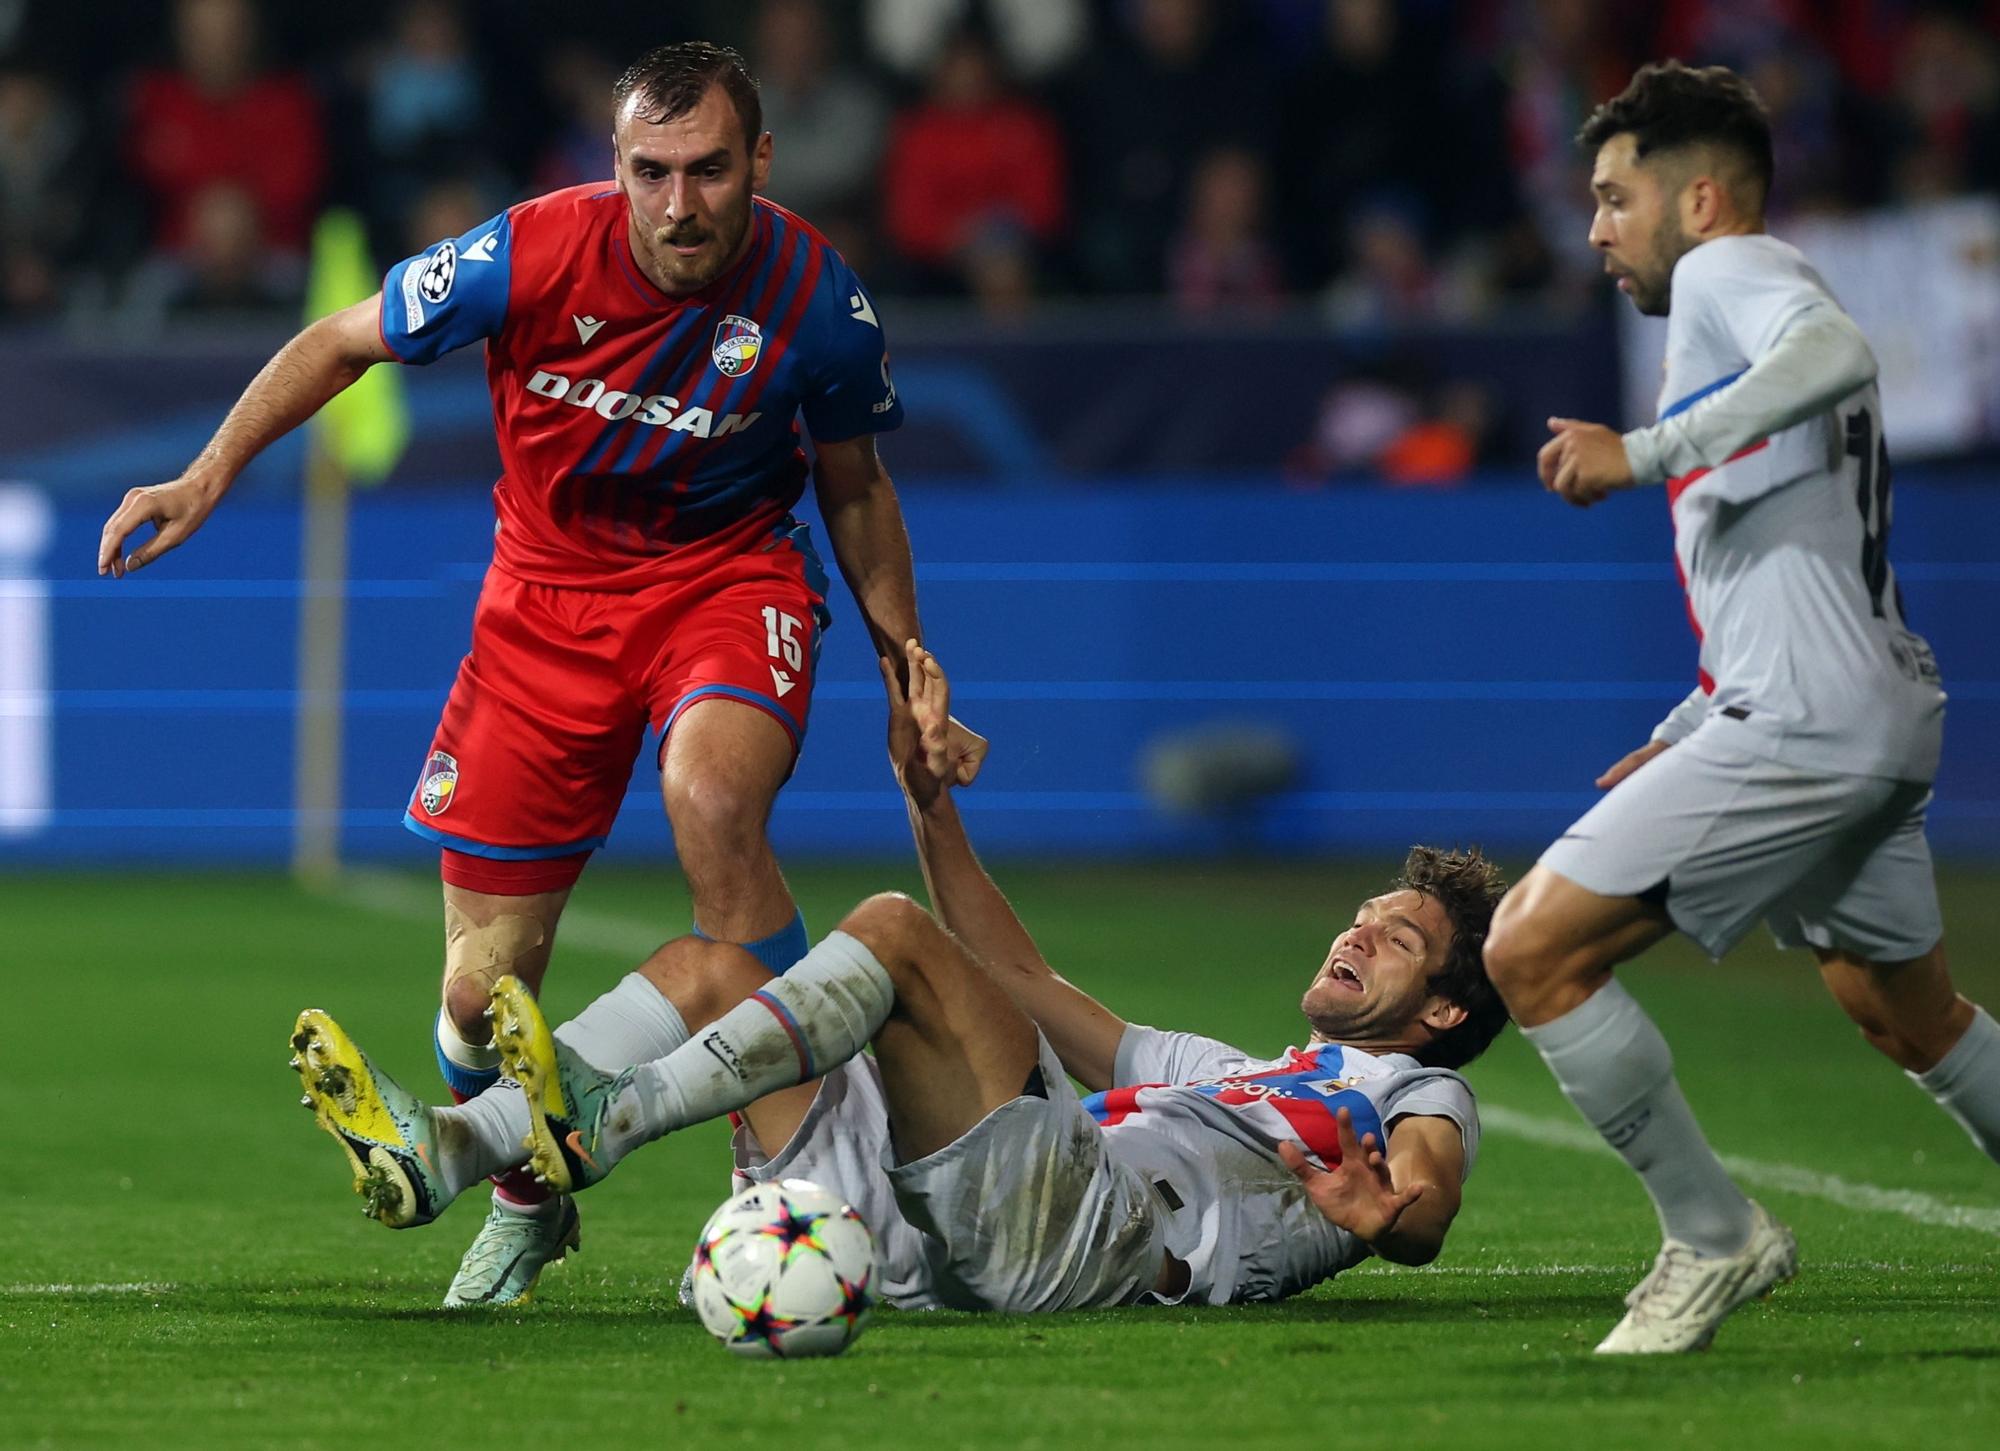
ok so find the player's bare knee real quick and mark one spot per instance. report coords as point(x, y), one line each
point(703, 979)
point(897, 930)
point(465, 1000)
point(715, 821)
point(1517, 952)
point(484, 941)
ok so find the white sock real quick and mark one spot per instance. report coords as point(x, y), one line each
point(482, 1136)
point(1966, 1082)
point(818, 1015)
point(633, 1023)
point(1615, 1067)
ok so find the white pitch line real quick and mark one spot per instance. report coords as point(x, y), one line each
point(1757, 1173)
point(127, 1287)
point(395, 896)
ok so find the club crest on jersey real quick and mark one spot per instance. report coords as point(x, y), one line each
point(738, 340)
point(440, 783)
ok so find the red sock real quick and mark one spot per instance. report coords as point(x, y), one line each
point(517, 1183)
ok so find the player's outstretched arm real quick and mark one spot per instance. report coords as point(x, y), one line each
point(323, 359)
point(864, 523)
point(1084, 1033)
point(1400, 1203)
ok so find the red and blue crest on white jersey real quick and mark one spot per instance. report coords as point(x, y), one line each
point(637, 430)
point(1296, 1097)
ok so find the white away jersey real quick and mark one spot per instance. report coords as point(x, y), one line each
point(1784, 547)
point(1202, 1121)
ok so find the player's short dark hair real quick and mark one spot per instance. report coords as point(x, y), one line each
point(1468, 887)
point(1669, 105)
point(670, 81)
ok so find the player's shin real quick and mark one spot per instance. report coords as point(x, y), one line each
point(819, 1014)
point(1615, 1067)
point(1966, 1082)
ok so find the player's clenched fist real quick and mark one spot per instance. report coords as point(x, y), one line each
point(175, 510)
point(1583, 462)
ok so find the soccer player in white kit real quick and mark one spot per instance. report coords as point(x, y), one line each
point(1193, 1171)
point(1791, 785)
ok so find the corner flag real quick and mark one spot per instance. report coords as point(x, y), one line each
point(364, 428)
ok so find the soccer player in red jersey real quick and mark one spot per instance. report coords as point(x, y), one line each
point(650, 343)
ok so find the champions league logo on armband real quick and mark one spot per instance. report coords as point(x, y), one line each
point(439, 272)
point(440, 783)
point(738, 340)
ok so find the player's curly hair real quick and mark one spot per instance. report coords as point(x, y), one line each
point(670, 81)
point(1669, 105)
point(1468, 887)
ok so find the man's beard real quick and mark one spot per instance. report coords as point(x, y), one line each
point(691, 274)
point(1653, 292)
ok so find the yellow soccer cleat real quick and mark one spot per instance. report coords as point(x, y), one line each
point(389, 1136)
point(568, 1099)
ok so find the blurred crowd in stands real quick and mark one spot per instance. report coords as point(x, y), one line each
point(1363, 161)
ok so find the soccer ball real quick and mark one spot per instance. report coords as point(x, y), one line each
point(784, 1270)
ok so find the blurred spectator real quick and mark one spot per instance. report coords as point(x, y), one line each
point(1390, 279)
point(450, 207)
point(1390, 423)
point(970, 161)
point(219, 119)
point(1179, 82)
point(826, 122)
point(1564, 58)
point(578, 78)
point(1223, 255)
point(1947, 90)
point(1362, 119)
point(425, 112)
point(1035, 38)
point(41, 205)
point(226, 272)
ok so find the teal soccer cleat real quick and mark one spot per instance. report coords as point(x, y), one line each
point(510, 1253)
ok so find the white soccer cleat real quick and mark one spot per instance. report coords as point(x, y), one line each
point(1683, 1302)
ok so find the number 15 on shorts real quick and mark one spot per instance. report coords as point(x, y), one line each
point(781, 643)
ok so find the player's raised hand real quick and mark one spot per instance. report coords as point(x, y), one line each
point(1631, 761)
point(967, 749)
point(175, 510)
point(919, 723)
point(1583, 463)
point(1357, 1193)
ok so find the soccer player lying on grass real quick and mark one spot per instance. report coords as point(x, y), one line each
point(1193, 1170)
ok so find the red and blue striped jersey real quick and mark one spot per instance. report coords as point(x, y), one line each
point(634, 426)
point(1200, 1120)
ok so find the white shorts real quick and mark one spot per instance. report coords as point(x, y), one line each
point(1729, 837)
point(1024, 1212)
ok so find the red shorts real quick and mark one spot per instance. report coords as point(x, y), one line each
point(535, 750)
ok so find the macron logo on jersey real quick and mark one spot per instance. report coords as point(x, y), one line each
point(586, 326)
point(659, 410)
point(482, 250)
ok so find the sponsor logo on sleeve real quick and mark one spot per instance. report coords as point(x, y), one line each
point(440, 783)
point(888, 383)
point(738, 341)
point(482, 250)
point(861, 310)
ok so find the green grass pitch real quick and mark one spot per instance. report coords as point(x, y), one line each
point(181, 1263)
